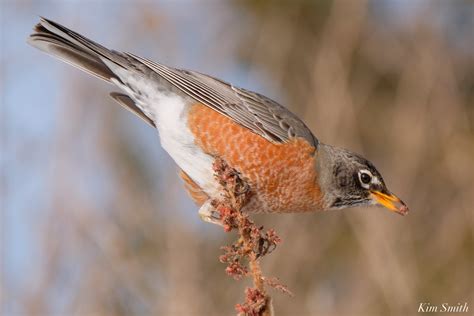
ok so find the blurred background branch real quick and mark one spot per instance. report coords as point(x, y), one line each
point(94, 218)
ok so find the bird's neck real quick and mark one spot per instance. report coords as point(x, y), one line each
point(328, 159)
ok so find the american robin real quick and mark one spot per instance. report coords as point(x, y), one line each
point(201, 118)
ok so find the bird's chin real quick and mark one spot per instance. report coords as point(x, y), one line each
point(340, 205)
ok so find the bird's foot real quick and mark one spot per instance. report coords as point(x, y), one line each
point(209, 214)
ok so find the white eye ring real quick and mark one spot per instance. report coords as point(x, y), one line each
point(365, 184)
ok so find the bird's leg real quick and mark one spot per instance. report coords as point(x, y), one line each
point(209, 214)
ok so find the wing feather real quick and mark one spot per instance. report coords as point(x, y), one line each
point(256, 112)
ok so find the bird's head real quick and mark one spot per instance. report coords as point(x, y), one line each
point(348, 180)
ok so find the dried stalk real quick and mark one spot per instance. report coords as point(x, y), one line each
point(251, 245)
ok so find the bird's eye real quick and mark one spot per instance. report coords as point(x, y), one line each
point(365, 178)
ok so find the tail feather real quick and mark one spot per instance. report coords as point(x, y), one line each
point(125, 101)
point(85, 54)
point(75, 49)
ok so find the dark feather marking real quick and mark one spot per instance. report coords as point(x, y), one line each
point(125, 101)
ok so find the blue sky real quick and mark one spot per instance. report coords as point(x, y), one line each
point(31, 102)
point(32, 105)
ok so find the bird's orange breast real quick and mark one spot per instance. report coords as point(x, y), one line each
point(282, 176)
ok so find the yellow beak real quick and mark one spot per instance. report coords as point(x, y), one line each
point(390, 201)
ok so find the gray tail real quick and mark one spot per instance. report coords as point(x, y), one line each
point(83, 53)
point(75, 49)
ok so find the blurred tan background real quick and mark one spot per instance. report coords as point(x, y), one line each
point(94, 217)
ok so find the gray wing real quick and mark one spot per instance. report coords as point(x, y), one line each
point(256, 112)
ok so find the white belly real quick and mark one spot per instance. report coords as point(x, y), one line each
point(169, 111)
point(177, 139)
